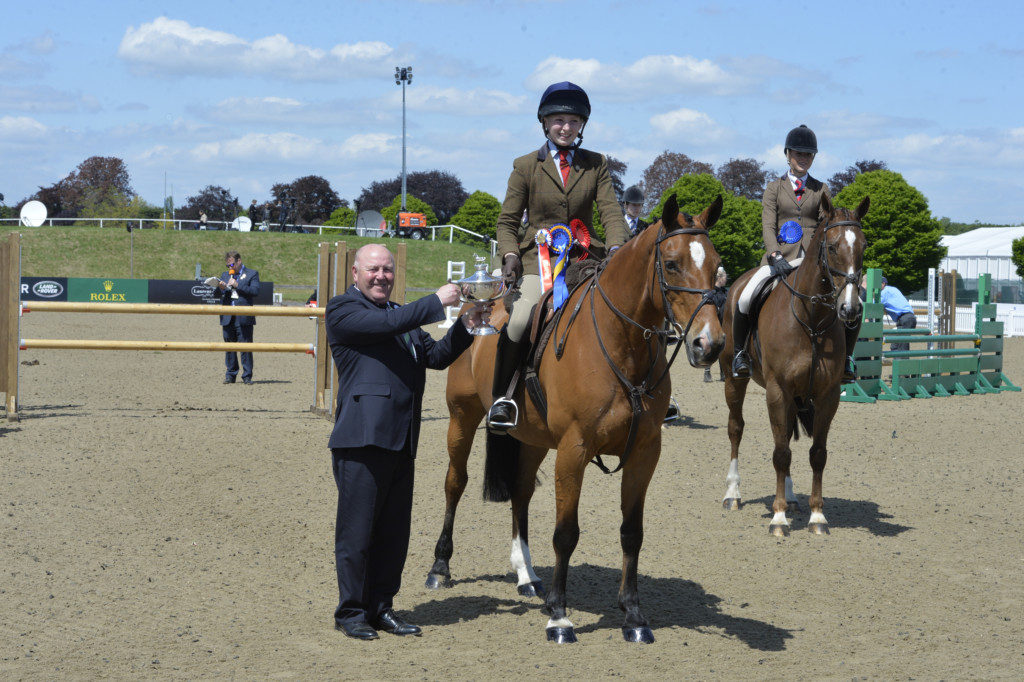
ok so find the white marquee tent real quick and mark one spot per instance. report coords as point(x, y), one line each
point(986, 249)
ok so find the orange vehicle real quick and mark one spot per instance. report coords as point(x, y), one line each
point(412, 225)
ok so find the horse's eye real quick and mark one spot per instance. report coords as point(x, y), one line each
point(832, 248)
point(671, 266)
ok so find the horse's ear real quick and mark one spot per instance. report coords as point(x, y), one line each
point(862, 208)
point(670, 212)
point(825, 208)
point(712, 213)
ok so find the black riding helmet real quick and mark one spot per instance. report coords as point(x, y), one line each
point(564, 98)
point(802, 139)
point(633, 195)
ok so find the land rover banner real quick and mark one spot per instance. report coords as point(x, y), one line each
point(189, 291)
point(44, 289)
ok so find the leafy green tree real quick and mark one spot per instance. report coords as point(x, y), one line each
point(902, 235)
point(736, 235)
point(1017, 255)
point(342, 216)
point(479, 214)
point(412, 205)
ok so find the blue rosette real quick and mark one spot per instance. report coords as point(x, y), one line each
point(560, 243)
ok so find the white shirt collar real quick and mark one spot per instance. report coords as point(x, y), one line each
point(553, 150)
point(793, 179)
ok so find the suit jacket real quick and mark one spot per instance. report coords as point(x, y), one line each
point(248, 289)
point(536, 185)
point(380, 381)
point(779, 205)
point(641, 225)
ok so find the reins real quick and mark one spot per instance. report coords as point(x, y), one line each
point(636, 392)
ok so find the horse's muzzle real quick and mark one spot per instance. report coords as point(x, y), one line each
point(702, 348)
point(850, 314)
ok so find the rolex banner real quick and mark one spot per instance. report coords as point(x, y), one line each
point(81, 289)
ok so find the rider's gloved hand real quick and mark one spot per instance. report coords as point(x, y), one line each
point(511, 270)
point(778, 265)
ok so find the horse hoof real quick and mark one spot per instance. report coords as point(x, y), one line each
point(731, 503)
point(534, 589)
point(818, 528)
point(436, 581)
point(779, 530)
point(562, 635)
point(641, 635)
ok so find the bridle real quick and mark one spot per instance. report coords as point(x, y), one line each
point(829, 275)
point(654, 336)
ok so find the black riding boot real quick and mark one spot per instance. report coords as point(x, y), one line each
point(740, 332)
point(503, 413)
point(850, 369)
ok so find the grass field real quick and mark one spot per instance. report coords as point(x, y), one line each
point(285, 259)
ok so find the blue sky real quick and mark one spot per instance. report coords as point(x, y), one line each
point(246, 94)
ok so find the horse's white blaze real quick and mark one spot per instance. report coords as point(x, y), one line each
point(732, 481)
point(780, 519)
point(560, 623)
point(697, 254)
point(521, 562)
point(790, 495)
point(851, 238)
point(818, 517)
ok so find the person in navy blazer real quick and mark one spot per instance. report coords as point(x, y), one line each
point(382, 356)
point(239, 286)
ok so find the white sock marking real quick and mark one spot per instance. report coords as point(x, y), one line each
point(817, 517)
point(780, 519)
point(560, 623)
point(521, 562)
point(732, 481)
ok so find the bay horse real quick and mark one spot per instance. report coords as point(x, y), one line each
point(798, 357)
point(606, 394)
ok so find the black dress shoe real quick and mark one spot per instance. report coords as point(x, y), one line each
point(229, 380)
point(247, 382)
point(388, 621)
point(359, 630)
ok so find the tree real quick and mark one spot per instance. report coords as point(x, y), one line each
point(616, 169)
point(844, 177)
point(216, 201)
point(315, 200)
point(743, 177)
point(1017, 255)
point(666, 168)
point(479, 214)
point(736, 235)
point(96, 180)
point(902, 236)
point(413, 205)
point(343, 216)
point(440, 189)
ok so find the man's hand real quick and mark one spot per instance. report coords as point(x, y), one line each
point(511, 270)
point(449, 294)
point(478, 315)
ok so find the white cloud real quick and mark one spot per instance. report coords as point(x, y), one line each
point(455, 101)
point(291, 112)
point(171, 46)
point(654, 73)
point(291, 147)
point(21, 128)
point(686, 123)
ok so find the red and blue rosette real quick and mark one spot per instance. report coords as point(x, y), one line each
point(560, 240)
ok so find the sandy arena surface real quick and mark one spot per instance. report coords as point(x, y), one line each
point(159, 524)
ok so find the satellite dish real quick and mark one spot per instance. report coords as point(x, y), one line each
point(370, 224)
point(33, 214)
point(241, 223)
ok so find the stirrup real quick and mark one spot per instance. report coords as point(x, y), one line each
point(672, 413)
point(740, 371)
point(501, 425)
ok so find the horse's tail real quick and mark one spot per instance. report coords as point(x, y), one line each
point(501, 467)
point(805, 415)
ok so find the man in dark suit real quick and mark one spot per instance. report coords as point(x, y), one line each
point(382, 356)
point(632, 204)
point(239, 286)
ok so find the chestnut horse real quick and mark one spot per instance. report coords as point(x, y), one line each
point(798, 357)
point(607, 393)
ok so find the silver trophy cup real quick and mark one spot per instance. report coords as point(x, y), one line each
point(481, 288)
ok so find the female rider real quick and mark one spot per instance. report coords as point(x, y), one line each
point(789, 215)
point(556, 184)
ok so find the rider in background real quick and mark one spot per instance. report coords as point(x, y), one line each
point(556, 184)
point(789, 215)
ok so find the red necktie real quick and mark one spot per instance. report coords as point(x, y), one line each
point(563, 165)
point(799, 191)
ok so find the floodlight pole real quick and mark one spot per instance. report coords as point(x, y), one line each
point(403, 76)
